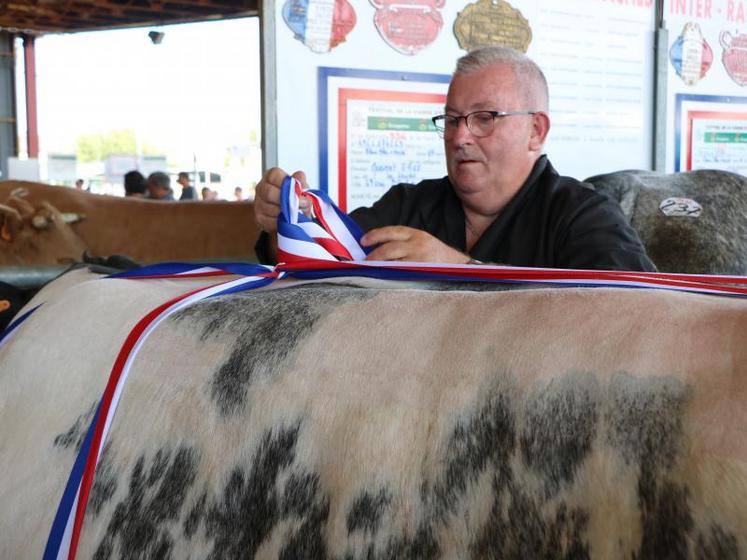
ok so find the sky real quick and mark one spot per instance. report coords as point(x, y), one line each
point(197, 92)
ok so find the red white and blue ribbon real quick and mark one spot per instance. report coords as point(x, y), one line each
point(65, 532)
point(332, 236)
point(325, 246)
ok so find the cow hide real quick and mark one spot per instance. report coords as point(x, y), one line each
point(708, 240)
point(339, 421)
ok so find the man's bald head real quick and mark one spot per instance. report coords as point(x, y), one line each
point(530, 79)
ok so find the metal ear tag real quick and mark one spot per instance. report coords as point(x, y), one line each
point(675, 206)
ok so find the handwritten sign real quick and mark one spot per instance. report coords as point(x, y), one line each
point(385, 138)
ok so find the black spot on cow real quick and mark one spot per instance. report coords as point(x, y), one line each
point(104, 482)
point(366, 511)
point(645, 422)
point(559, 427)
point(266, 327)
point(252, 504)
point(75, 435)
point(488, 439)
point(141, 524)
point(518, 528)
point(303, 501)
point(719, 545)
point(523, 522)
point(195, 516)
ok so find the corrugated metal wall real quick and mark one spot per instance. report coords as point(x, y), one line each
point(7, 102)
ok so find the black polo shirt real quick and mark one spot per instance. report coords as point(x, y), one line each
point(553, 221)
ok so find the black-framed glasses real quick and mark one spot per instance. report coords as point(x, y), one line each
point(479, 123)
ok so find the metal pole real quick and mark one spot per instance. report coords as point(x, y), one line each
point(661, 68)
point(267, 58)
point(32, 127)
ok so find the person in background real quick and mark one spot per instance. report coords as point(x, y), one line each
point(159, 186)
point(79, 185)
point(208, 194)
point(501, 201)
point(134, 184)
point(238, 194)
point(188, 191)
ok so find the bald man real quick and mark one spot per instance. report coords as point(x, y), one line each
point(502, 201)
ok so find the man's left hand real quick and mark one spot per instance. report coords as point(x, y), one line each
point(402, 243)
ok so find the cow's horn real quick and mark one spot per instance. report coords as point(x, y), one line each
point(11, 222)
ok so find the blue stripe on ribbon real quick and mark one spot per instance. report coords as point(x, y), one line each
point(170, 268)
point(258, 283)
point(16, 323)
point(65, 508)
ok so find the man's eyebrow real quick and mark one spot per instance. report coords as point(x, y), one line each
point(484, 106)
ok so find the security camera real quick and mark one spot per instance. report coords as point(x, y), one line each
point(156, 37)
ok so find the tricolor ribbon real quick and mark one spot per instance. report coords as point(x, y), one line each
point(332, 237)
point(65, 532)
point(326, 245)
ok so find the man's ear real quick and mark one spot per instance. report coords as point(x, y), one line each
point(540, 129)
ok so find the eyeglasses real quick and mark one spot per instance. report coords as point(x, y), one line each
point(479, 123)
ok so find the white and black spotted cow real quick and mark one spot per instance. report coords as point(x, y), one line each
point(387, 421)
point(694, 222)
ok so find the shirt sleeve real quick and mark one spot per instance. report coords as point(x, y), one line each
point(599, 237)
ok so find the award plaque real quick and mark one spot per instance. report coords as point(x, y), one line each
point(321, 25)
point(735, 56)
point(408, 25)
point(690, 54)
point(492, 22)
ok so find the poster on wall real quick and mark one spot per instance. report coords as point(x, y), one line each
point(711, 133)
point(375, 131)
point(707, 77)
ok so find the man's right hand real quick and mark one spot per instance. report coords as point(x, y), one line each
point(267, 198)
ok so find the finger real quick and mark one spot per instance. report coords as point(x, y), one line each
point(268, 194)
point(275, 176)
point(392, 251)
point(386, 234)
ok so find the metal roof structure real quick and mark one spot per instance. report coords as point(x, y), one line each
point(66, 16)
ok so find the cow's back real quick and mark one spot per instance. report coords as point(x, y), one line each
point(710, 238)
point(342, 422)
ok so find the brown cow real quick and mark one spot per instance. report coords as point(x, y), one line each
point(145, 230)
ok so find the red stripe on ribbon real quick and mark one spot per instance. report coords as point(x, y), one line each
point(106, 400)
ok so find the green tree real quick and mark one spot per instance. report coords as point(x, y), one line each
point(95, 147)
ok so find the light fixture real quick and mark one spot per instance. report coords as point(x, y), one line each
point(156, 37)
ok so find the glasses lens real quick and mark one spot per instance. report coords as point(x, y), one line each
point(480, 123)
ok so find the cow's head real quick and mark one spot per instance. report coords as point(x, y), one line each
point(32, 235)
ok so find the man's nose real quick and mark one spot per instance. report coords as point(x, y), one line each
point(461, 133)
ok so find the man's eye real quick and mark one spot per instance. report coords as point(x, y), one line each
point(482, 118)
point(450, 122)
